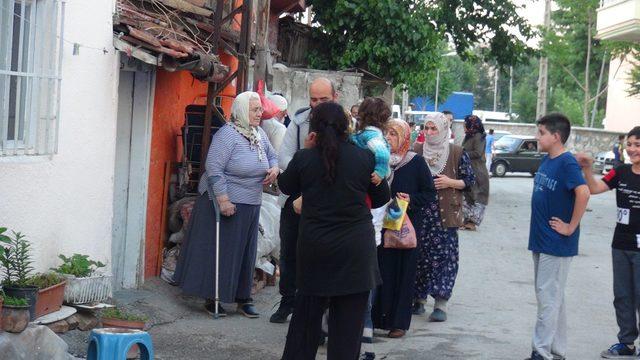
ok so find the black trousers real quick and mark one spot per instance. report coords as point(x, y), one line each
point(289, 222)
point(346, 322)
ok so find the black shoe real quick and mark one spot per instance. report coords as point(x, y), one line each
point(418, 308)
point(323, 338)
point(211, 309)
point(281, 315)
point(248, 310)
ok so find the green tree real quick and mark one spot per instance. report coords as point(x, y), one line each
point(403, 40)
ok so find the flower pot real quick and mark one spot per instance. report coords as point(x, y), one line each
point(50, 299)
point(1, 301)
point(15, 318)
point(125, 324)
point(29, 292)
point(122, 324)
point(87, 290)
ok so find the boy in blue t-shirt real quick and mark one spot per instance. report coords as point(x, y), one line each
point(625, 247)
point(559, 200)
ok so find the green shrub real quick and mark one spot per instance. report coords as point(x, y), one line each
point(16, 259)
point(43, 281)
point(117, 313)
point(78, 265)
point(13, 301)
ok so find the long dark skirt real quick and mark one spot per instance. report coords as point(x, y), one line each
point(438, 257)
point(195, 271)
point(392, 304)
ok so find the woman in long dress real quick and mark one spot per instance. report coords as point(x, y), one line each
point(239, 162)
point(410, 180)
point(438, 248)
point(477, 199)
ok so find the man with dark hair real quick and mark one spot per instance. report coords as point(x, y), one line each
point(488, 151)
point(618, 151)
point(321, 91)
point(355, 108)
point(560, 196)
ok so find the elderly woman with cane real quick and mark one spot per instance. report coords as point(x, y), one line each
point(239, 162)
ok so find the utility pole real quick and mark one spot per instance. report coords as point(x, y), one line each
point(435, 107)
point(510, 90)
point(541, 107)
point(263, 56)
point(495, 89)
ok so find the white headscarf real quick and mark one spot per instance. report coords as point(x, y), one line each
point(240, 120)
point(436, 148)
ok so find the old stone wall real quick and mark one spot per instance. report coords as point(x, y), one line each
point(581, 140)
point(294, 83)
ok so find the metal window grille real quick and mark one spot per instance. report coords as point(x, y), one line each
point(30, 67)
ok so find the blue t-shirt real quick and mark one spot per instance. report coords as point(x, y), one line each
point(487, 149)
point(554, 196)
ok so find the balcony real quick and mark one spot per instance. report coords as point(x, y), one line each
point(619, 20)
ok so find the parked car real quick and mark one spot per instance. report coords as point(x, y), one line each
point(498, 134)
point(515, 153)
point(603, 162)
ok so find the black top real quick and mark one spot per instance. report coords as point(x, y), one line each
point(336, 251)
point(415, 179)
point(627, 183)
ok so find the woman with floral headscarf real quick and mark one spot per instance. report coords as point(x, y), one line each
point(240, 161)
point(475, 200)
point(438, 246)
point(411, 180)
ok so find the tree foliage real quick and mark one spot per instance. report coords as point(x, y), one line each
point(403, 40)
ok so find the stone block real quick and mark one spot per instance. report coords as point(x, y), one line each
point(86, 321)
point(73, 322)
point(36, 342)
point(59, 327)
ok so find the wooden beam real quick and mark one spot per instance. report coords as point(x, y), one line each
point(185, 6)
point(133, 51)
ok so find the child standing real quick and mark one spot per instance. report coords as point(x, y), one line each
point(373, 116)
point(625, 252)
point(559, 200)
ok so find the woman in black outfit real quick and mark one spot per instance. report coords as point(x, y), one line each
point(337, 263)
point(410, 180)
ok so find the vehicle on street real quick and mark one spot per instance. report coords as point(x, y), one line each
point(603, 162)
point(516, 153)
point(498, 134)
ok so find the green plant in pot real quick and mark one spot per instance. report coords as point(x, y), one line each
point(50, 292)
point(16, 260)
point(15, 314)
point(84, 283)
point(119, 318)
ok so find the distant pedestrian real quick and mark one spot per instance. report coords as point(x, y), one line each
point(449, 115)
point(354, 116)
point(414, 133)
point(618, 151)
point(477, 199)
point(438, 252)
point(488, 151)
point(625, 249)
point(421, 137)
point(559, 200)
point(274, 127)
point(337, 263)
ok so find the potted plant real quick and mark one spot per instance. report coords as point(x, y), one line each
point(15, 314)
point(50, 292)
point(16, 261)
point(84, 283)
point(119, 318)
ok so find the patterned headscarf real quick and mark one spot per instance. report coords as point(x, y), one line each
point(436, 148)
point(402, 155)
point(473, 125)
point(240, 121)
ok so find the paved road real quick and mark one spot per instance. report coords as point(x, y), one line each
point(491, 314)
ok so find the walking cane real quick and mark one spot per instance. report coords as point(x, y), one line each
point(216, 208)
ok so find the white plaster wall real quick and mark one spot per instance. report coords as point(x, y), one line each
point(623, 111)
point(63, 203)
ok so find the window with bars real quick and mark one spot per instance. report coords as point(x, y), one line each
point(30, 64)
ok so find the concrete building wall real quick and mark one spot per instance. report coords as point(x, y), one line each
point(581, 139)
point(623, 111)
point(294, 84)
point(63, 202)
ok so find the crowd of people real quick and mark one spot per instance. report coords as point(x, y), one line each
point(370, 213)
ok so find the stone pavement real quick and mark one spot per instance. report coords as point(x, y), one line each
point(491, 314)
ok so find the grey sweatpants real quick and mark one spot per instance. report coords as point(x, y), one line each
point(550, 333)
point(626, 293)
